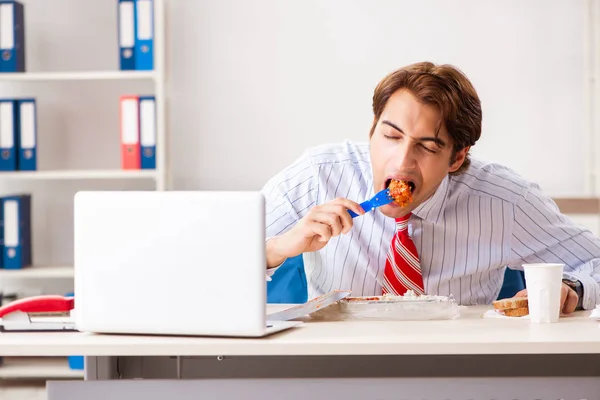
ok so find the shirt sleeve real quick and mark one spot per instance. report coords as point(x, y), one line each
point(542, 234)
point(289, 196)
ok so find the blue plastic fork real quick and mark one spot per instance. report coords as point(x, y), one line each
point(380, 199)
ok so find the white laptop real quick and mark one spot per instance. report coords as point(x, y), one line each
point(172, 262)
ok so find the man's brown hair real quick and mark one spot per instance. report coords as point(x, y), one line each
point(444, 87)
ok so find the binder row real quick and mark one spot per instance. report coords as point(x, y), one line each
point(15, 231)
point(137, 119)
point(136, 34)
point(18, 134)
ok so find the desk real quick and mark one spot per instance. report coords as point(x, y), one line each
point(469, 349)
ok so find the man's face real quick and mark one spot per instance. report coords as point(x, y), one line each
point(404, 146)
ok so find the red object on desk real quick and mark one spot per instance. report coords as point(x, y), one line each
point(39, 304)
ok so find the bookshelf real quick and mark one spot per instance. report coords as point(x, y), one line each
point(157, 179)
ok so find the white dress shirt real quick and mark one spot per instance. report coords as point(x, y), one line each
point(473, 227)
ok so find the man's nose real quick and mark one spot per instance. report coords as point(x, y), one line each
point(406, 157)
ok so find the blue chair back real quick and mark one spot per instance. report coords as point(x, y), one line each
point(514, 281)
point(288, 283)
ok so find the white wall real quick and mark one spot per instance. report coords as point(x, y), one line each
point(252, 83)
point(255, 82)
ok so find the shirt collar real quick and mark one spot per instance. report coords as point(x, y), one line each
point(431, 209)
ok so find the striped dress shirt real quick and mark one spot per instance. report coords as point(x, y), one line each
point(474, 226)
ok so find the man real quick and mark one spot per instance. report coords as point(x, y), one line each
point(467, 222)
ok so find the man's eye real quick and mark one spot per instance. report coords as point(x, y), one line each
point(391, 137)
point(427, 149)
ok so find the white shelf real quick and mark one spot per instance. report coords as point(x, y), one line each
point(80, 174)
point(37, 367)
point(38, 272)
point(15, 390)
point(76, 76)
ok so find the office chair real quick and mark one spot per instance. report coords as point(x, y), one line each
point(288, 284)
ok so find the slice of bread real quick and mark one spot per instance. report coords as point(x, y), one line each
point(516, 312)
point(512, 307)
point(510, 303)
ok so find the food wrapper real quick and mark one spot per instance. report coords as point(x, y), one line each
point(409, 307)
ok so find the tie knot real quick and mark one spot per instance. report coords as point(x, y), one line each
point(402, 223)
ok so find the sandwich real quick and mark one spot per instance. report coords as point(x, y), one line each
point(512, 307)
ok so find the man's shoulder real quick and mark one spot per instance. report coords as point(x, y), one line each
point(346, 152)
point(492, 180)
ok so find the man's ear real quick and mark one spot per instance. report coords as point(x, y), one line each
point(459, 158)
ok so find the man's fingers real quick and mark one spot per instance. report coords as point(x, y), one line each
point(347, 222)
point(342, 213)
point(349, 205)
point(564, 292)
point(333, 220)
point(521, 293)
point(570, 302)
point(321, 230)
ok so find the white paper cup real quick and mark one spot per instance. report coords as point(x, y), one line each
point(543, 283)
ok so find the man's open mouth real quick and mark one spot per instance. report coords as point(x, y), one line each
point(410, 184)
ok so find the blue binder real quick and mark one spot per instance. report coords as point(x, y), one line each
point(12, 36)
point(9, 122)
point(147, 110)
point(17, 231)
point(27, 134)
point(144, 40)
point(127, 33)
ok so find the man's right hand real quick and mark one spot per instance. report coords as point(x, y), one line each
point(314, 231)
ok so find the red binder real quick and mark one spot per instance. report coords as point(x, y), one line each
point(129, 116)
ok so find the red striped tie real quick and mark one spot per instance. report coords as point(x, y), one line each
point(402, 265)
